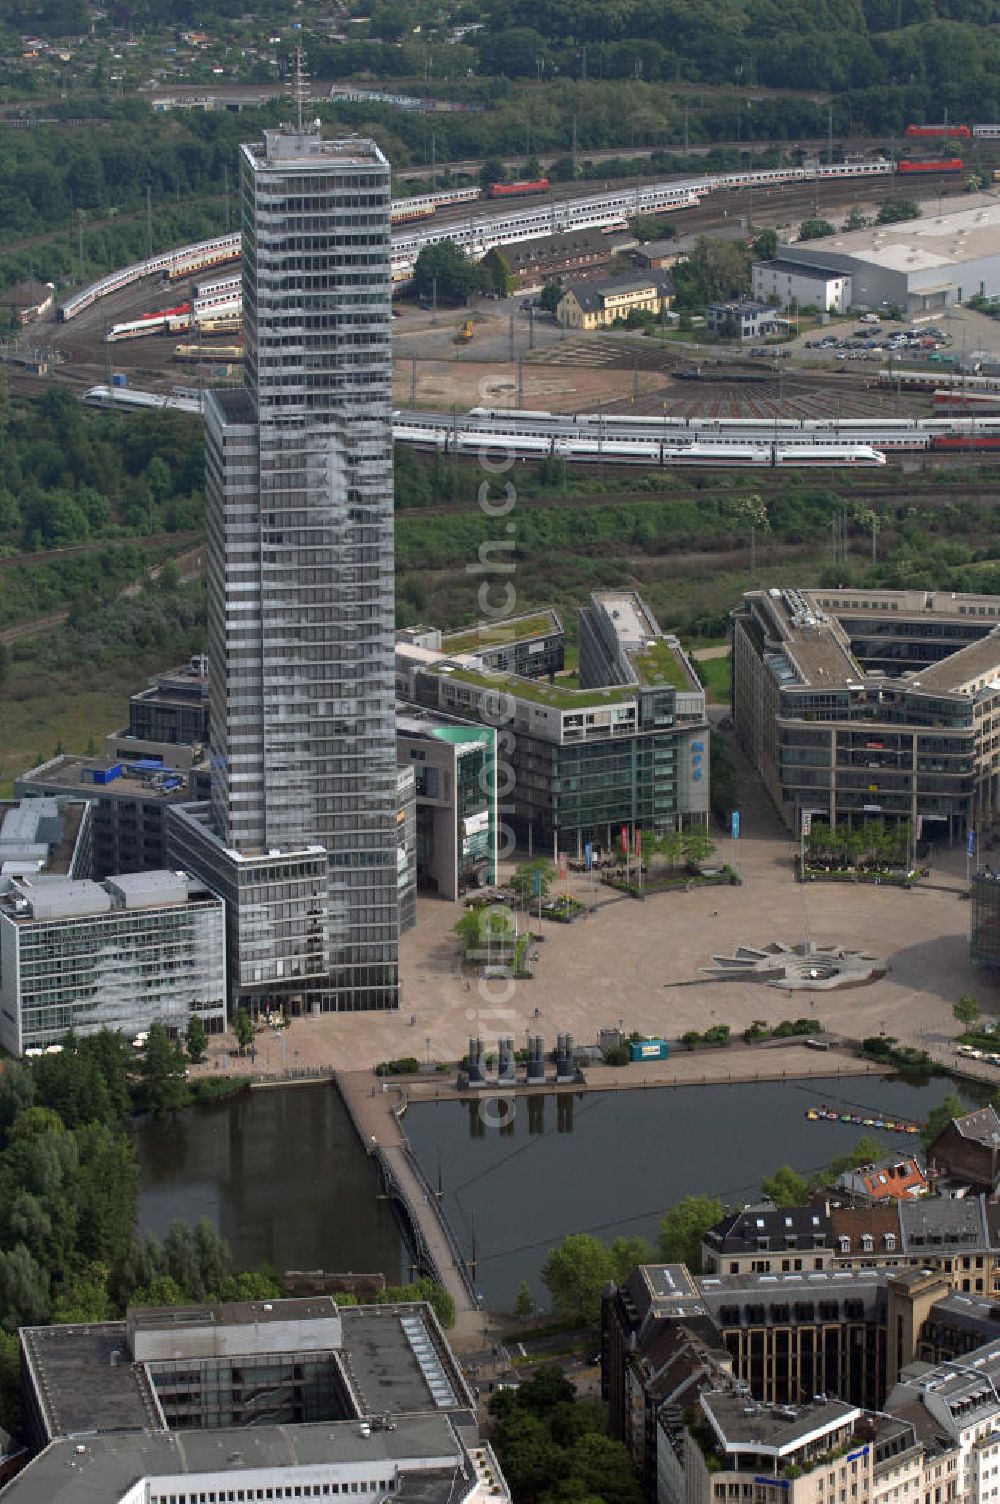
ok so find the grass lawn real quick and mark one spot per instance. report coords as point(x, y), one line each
point(716, 675)
point(41, 712)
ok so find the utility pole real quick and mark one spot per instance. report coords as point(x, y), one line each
point(520, 383)
point(225, 180)
point(413, 381)
point(874, 538)
point(531, 325)
point(685, 130)
point(149, 223)
point(829, 136)
point(575, 165)
point(434, 300)
point(510, 338)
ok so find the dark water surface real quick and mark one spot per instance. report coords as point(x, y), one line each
point(282, 1176)
point(610, 1163)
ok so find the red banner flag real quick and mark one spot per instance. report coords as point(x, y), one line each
point(638, 843)
point(625, 838)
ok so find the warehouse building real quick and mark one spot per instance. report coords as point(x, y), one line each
point(790, 284)
point(919, 265)
point(872, 703)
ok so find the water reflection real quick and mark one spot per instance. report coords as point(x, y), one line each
point(282, 1176)
point(610, 1163)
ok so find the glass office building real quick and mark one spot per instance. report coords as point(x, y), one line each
point(300, 573)
point(122, 954)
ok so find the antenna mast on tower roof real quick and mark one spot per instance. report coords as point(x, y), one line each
point(299, 81)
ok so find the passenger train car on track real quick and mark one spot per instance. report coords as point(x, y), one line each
point(630, 440)
point(485, 225)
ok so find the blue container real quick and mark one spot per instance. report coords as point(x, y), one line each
point(119, 378)
point(649, 1049)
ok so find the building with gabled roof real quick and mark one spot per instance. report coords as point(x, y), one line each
point(765, 1238)
point(968, 1149)
point(597, 304)
point(894, 1177)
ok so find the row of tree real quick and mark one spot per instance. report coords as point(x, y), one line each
point(576, 1271)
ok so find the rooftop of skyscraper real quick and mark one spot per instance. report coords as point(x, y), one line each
point(292, 146)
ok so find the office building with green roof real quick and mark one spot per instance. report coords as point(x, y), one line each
point(624, 743)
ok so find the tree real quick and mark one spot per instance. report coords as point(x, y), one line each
point(865, 1152)
point(495, 274)
point(197, 1040)
point(24, 1290)
point(939, 1117)
point(627, 1254)
point(524, 1304)
point(683, 1228)
point(445, 271)
point(532, 880)
point(815, 229)
point(967, 1011)
point(604, 1470)
point(492, 171)
point(714, 271)
point(698, 845)
point(896, 209)
point(765, 245)
point(244, 1030)
point(785, 1187)
point(487, 934)
point(162, 1073)
point(550, 297)
point(575, 1273)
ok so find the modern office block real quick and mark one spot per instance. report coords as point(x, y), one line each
point(251, 1401)
point(857, 704)
point(129, 799)
point(454, 766)
point(45, 836)
point(626, 745)
point(406, 847)
point(122, 954)
point(300, 580)
point(984, 929)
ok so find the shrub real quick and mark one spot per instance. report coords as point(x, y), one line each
point(407, 1065)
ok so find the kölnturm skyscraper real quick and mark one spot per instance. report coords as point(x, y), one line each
point(300, 835)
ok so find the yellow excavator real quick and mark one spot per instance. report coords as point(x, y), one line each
point(465, 333)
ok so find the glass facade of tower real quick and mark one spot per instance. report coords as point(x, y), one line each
point(301, 601)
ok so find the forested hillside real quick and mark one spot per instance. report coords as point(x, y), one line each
point(940, 51)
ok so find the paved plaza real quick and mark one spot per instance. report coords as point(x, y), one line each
point(637, 964)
